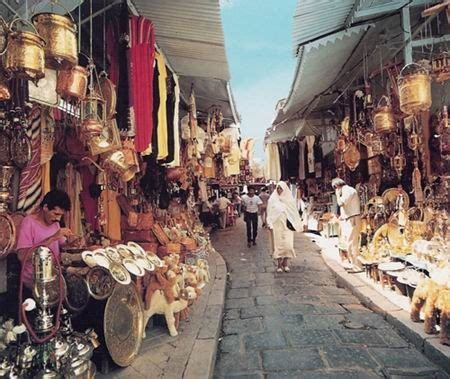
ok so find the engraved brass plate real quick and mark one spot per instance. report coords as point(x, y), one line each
point(124, 324)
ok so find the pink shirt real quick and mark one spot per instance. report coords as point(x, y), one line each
point(31, 233)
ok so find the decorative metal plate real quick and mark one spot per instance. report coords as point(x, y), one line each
point(7, 234)
point(100, 283)
point(390, 197)
point(77, 293)
point(124, 324)
point(21, 149)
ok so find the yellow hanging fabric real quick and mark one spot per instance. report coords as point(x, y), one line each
point(45, 178)
point(163, 140)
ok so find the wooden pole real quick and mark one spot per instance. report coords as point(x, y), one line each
point(425, 121)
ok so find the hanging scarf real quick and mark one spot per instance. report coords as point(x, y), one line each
point(284, 203)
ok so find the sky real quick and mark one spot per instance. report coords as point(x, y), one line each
point(258, 41)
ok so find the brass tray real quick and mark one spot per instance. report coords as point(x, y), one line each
point(100, 283)
point(390, 196)
point(123, 324)
point(7, 234)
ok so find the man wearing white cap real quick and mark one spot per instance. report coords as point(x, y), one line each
point(348, 201)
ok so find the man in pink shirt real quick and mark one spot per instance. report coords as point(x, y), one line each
point(42, 229)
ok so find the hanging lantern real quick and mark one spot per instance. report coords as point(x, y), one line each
point(414, 89)
point(116, 162)
point(384, 118)
point(92, 111)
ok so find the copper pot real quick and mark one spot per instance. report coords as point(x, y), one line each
point(59, 33)
point(25, 54)
point(72, 83)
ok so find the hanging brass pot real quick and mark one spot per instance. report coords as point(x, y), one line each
point(414, 89)
point(59, 33)
point(25, 53)
point(72, 83)
point(384, 119)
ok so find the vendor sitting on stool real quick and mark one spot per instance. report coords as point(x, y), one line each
point(42, 228)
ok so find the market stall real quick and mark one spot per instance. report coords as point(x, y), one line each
point(95, 117)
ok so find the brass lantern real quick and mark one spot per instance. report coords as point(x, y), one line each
point(92, 110)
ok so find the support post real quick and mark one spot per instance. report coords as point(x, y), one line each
point(406, 24)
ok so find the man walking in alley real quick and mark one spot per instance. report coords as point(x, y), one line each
point(264, 196)
point(223, 202)
point(251, 204)
point(348, 201)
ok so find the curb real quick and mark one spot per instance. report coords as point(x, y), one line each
point(202, 359)
point(427, 344)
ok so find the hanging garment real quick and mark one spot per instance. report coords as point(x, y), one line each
point(176, 124)
point(170, 105)
point(30, 189)
point(142, 56)
point(88, 203)
point(162, 110)
point(310, 157)
point(112, 215)
point(273, 167)
point(73, 189)
point(301, 159)
point(318, 156)
point(292, 153)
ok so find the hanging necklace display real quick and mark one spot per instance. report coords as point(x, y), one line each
point(414, 140)
point(20, 142)
point(24, 57)
point(414, 89)
point(399, 161)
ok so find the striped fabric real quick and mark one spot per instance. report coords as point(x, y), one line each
point(30, 189)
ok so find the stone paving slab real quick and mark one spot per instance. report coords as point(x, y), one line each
point(302, 324)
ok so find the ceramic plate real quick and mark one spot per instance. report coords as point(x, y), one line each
point(120, 274)
point(101, 258)
point(124, 251)
point(88, 258)
point(113, 254)
point(145, 264)
point(138, 250)
point(155, 260)
point(131, 265)
point(391, 266)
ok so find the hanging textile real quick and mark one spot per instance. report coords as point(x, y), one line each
point(30, 189)
point(162, 110)
point(73, 189)
point(142, 56)
point(170, 108)
point(88, 202)
point(293, 164)
point(176, 124)
point(310, 157)
point(273, 167)
point(111, 211)
point(318, 156)
point(301, 160)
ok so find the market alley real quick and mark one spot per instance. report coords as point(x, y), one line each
point(300, 324)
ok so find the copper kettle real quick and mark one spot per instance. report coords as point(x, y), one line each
point(72, 83)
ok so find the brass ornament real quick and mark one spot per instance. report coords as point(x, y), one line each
point(72, 83)
point(107, 89)
point(24, 56)
point(384, 118)
point(391, 198)
point(414, 89)
point(59, 34)
point(124, 324)
point(352, 156)
point(7, 234)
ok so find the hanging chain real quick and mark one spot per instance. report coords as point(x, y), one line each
point(104, 36)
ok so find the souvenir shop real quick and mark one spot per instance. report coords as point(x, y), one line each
point(388, 112)
point(90, 106)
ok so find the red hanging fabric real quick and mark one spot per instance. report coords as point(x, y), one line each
point(142, 57)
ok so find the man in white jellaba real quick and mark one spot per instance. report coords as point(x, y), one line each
point(283, 219)
point(350, 219)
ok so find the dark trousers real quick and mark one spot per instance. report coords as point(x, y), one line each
point(251, 219)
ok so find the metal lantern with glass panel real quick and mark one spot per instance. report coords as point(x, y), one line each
point(92, 110)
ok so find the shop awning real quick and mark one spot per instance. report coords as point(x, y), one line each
point(190, 34)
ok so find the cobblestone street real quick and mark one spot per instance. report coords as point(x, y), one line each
point(300, 324)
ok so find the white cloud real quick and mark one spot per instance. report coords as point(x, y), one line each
point(226, 3)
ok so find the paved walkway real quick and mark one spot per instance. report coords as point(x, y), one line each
point(300, 324)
